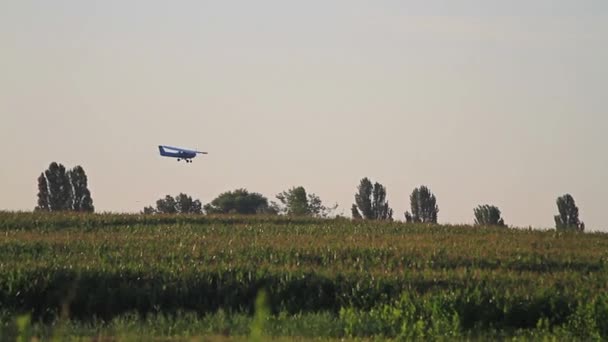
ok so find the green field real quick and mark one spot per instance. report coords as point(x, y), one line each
point(134, 276)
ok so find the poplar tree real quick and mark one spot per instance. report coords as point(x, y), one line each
point(61, 190)
point(370, 202)
point(81, 196)
point(423, 205)
point(43, 194)
point(567, 219)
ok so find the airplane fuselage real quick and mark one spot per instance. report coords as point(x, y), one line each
point(177, 153)
point(180, 154)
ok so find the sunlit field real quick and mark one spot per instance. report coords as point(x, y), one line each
point(222, 278)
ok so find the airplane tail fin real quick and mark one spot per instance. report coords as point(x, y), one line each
point(162, 151)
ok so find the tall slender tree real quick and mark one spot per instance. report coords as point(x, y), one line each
point(380, 206)
point(59, 188)
point(81, 196)
point(370, 202)
point(43, 194)
point(363, 198)
point(567, 219)
point(424, 206)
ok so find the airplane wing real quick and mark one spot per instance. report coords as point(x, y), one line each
point(177, 149)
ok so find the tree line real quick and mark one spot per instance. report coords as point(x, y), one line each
point(67, 190)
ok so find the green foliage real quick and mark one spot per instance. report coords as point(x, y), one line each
point(180, 204)
point(168, 205)
point(188, 275)
point(23, 327)
point(363, 198)
point(239, 201)
point(407, 318)
point(43, 194)
point(185, 205)
point(58, 194)
point(370, 202)
point(260, 318)
point(81, 196)
point(568, 215)
point(488, 215)
point(61, 190)
point(295, 202)
point(424, 206)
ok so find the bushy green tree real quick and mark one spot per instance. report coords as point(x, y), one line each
point(166, 205)
point(180, 204)
point(568, 214)
point(370, 202)
point(488, 215)
point(297, 202)
point(185, 204)
point(294, 201)
point(424, 206)
point(239, 201)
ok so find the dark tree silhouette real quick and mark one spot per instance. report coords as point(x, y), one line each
point(488, 215)
point(43, 194)
point(568, 214)
point(184, 204)
point(61, 190)
point(424, 206)
point(57, 194)
point(370, 202)
point(180, 204)
point(81, 196)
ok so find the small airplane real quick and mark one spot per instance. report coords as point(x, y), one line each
point(179, 153)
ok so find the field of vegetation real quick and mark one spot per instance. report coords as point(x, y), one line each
point(180, 276)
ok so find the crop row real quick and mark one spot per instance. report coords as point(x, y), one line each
point(103, 266)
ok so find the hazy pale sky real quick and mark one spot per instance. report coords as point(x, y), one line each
point(499, 102)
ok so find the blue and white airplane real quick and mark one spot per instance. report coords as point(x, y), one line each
point(179, 153)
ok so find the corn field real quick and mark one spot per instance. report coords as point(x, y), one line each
point(366, 279)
